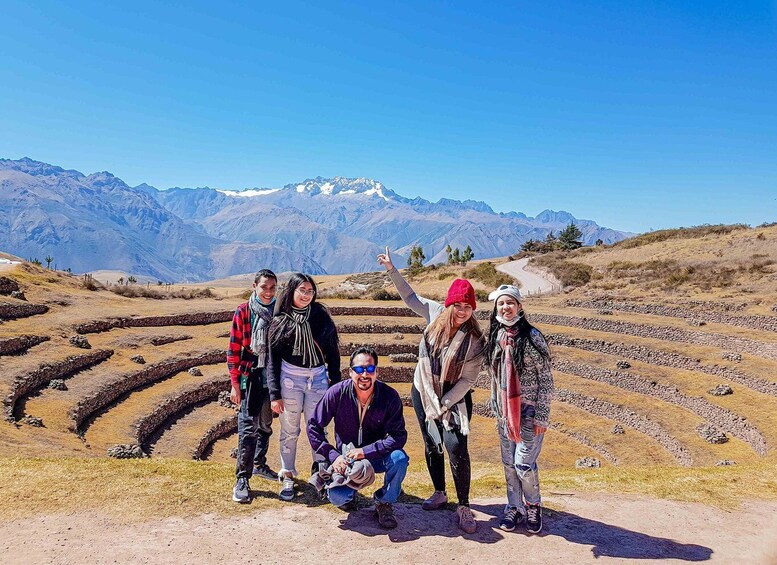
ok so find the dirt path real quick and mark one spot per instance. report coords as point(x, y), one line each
point(582, 529)
point(531, 283)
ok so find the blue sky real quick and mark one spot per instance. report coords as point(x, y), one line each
point(639, 114)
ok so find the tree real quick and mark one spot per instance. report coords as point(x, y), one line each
point(569, 238)
point(120, 281)
point(449, 251)
point(599, 243)
point(36, 262)
point(131, 279)
point(48, 260)
point(416, 259)
point(456, 256)
point(467, 256)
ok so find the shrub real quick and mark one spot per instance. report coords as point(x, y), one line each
point(153, 293)
point(443, 276)
point(385, 294)
point(481, 295)
point(568, 272)
point(488, 275)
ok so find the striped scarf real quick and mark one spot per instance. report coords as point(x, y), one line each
point(261, 316)
point(304, 345)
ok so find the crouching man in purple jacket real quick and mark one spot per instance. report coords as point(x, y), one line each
point(368, 414)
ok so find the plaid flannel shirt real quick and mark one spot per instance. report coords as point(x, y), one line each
point(239, 339)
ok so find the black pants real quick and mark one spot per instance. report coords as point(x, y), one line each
point(455, 444)
point(254, 426)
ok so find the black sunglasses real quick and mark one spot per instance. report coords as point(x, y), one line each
point(359, 370)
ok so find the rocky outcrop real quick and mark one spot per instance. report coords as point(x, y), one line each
point(165, 339)
point(736, 425)
point(46, 372)
point(10, 311)
point(588, 463)
point(664, 359)
point(80, 341)
point(666, 333)
point(710, 434)
point(193, 319)
point(629, 418)
point(110, 390)
point(720, 390)
point(57, 384)
point(221, 429)
point(126, 451)
point(755, 322)
point(20, 344)
point(171, 405)
point(7, 286)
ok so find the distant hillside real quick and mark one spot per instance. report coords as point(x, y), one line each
point(320, 225)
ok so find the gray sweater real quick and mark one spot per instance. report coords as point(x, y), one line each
point(429, 310)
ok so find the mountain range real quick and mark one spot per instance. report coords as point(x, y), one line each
point(335, 225)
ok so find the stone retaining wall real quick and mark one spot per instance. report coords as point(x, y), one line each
point(208, 390)
point(664, 359)
point(221, 429)
point(193, 319)
point(383, 349)
point(628, 418)
point(756, 322)
point(13, 345)
point(732, 423)
point(111, 390)
point(380, 328)
point(666, 333)
point(13, 311)
point(40, 377)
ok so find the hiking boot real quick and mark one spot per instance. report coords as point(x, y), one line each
point(287, 489)
point(265, 472)
point(436, 501)
point(386, 518)
point(241, 492)
point(510, 519)
point(533, 518)
point(466, 519)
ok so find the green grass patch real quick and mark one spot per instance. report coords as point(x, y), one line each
point(488, 275)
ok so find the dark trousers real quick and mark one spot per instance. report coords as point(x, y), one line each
point(455, 444)
point(254, 426)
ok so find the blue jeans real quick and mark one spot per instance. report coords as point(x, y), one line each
point(520, 462)
point(301, 389)
point(394, 465)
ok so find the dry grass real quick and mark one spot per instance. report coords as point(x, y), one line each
point(138, 490)
point(679, 233)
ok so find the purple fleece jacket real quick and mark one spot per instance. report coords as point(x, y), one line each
point(383, 428)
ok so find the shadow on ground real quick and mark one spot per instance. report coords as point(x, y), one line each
point(606, 540)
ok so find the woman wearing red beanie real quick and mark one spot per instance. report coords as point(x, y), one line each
point(449, 358)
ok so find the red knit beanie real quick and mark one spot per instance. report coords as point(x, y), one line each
point(461, 291)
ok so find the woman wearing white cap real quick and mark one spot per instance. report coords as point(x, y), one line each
point(518, 361)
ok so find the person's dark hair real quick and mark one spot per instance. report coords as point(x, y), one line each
point(366, 350)
point(286, 303)
point(280, 328)
point(266, 273)
point(524, 338)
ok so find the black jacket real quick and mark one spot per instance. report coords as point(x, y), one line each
point(282, 342)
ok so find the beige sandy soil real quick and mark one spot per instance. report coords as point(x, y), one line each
point(579, 529)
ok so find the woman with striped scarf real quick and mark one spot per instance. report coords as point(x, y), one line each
point(518, 360)
point(450, 356)
point(304, 361)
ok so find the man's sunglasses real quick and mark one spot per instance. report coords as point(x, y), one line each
point(360, 370)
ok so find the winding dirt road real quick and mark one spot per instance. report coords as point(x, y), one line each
point(532, 284)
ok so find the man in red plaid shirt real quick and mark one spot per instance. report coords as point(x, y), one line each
point(246, 361)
